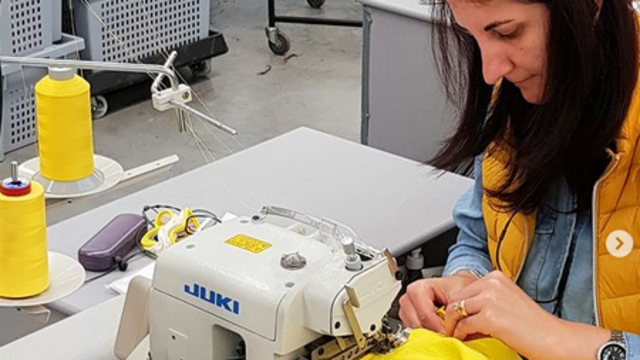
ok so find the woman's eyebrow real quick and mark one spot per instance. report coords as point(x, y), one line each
point(495, 24)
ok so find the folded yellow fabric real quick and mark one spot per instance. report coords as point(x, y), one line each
point(428, 345)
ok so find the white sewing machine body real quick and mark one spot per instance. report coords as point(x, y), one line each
point(226, 288)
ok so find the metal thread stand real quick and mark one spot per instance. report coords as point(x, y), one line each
point(106, 88)
point(279, 43)
point(188, 33)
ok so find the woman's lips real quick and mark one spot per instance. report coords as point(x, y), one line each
point(522, 82)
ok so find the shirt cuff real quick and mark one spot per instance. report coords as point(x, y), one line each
point(477, 271)
point(633, 346)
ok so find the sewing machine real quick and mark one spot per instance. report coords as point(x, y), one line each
point(250, 289)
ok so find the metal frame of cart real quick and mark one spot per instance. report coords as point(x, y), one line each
point(279, 43)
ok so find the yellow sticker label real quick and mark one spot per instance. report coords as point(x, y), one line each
point(248, 243)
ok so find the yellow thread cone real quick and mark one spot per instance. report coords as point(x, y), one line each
point(24, 266)
point(65, 132)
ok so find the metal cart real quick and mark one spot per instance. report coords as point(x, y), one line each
point(279, 43)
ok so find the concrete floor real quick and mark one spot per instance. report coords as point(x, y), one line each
point(319, 89)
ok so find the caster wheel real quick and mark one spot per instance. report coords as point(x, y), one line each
point(201, 69)
point(316, 4)
point(281, 46)
point(99, 107)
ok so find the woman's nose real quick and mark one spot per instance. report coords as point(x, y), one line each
point(495, 64)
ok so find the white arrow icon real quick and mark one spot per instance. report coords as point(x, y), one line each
point(619, 243)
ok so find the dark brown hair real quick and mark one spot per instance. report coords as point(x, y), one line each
point(592, 72)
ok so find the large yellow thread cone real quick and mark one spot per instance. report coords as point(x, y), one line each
point(65, 133)
point(24, 266)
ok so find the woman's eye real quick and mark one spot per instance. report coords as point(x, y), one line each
point(509, 35)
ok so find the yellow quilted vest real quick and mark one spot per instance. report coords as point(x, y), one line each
point(616, 206)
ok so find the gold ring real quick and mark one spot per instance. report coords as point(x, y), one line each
point(461, 309)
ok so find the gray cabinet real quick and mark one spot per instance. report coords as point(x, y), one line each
point(404, 110)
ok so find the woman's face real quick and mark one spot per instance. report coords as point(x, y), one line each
point(512, 36)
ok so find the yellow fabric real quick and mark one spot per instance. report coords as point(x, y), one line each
point(65, 133)
point(24, 263)
point(616, 207)
point(427, 345)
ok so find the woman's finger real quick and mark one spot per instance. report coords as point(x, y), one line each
point(471, 290)
point(495, 281)
point(408, 314)
point(422, 297)
point(458, 311)
point(469, 328)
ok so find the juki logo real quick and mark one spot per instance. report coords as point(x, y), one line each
point(214, 298)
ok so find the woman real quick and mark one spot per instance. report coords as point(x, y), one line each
point(550, 122)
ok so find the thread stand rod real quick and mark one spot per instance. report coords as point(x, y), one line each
point(14, 172)
point(205, 117)
point(94, 65)
point(167, 65)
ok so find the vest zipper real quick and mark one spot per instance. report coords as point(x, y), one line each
point(594, 227)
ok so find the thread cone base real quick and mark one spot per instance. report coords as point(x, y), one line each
point(66, 276)
point(107, 174)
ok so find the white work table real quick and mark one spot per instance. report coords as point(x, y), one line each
point(89, 335)
point(388, 200)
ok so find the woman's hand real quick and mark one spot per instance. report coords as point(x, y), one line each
point(418, 306)
point(497, 307)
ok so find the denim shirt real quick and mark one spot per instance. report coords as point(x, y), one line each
point(558, 270)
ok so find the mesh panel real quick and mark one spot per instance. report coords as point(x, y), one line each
point(137, 28)
point(26, 25)
point(18, 113)
point(22, 129)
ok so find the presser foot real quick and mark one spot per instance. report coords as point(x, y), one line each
point(346, 348)
point(342, 348)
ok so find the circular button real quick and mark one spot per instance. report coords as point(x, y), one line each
point(293, 261)
point(619, 243)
